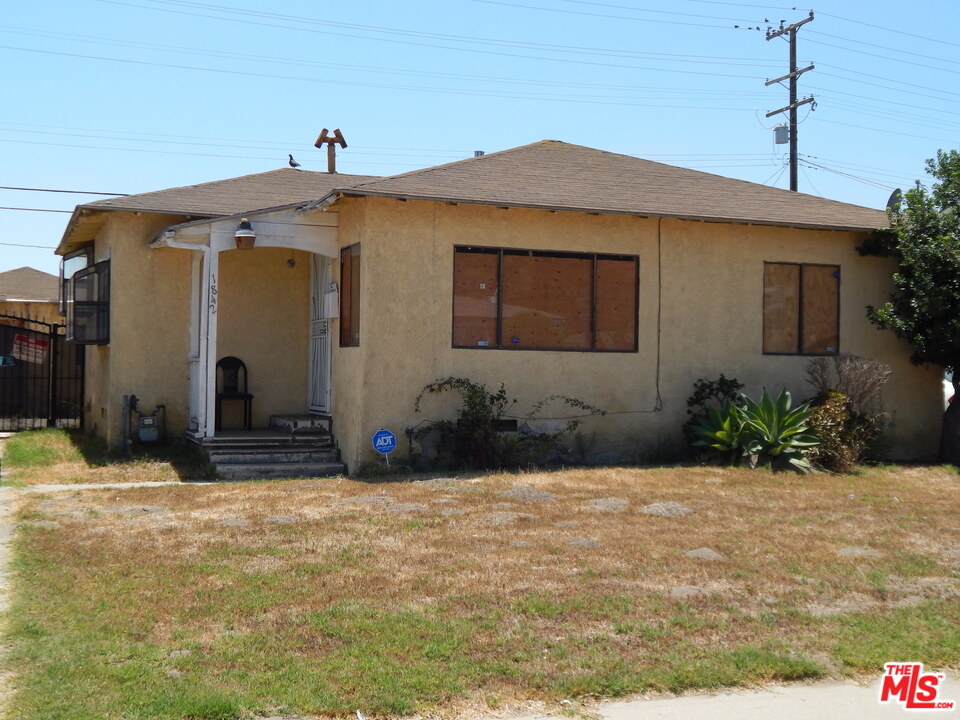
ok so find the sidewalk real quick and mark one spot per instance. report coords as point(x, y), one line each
point(830, 700)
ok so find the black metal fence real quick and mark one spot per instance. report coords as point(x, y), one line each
point(41, 376)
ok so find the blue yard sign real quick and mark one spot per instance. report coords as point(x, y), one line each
point(384, 442)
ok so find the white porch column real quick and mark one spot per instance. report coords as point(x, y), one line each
point(220, 240)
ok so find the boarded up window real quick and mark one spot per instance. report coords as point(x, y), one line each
point(801, 305)
point(350, 295)
point(521, 299)
point(475, 297)
point(616, 304)
point(821, 309)
point(781, 308)
point(547, 301)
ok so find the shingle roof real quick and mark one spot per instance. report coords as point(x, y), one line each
point(234, 195)
point(26, 283)
point(559, 176)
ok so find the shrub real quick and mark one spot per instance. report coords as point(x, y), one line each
point(860, 379)
point(476, 439)
point(846, 412)
point(705, 393)
point(769, 432)
point(847, 437)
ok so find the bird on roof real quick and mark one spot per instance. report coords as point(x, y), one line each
point(293, 163)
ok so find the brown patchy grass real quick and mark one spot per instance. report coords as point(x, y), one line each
point(52, 456)
point(550, 596)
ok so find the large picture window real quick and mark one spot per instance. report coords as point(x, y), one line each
point(350, 296)
point(801, 309)
point(535, 300)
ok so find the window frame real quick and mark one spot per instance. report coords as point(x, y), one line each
point(99, 308)
point(499, 340)
point(800, 310)
point(350, 284)
point(87, 252)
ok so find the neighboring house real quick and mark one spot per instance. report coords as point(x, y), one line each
point(554, 268)
point(30, 294)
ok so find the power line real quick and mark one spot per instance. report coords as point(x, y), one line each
point(44, 247)
point(893, 30)
point(75, 192)
point(35, 209)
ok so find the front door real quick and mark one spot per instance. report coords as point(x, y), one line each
point(319, 389)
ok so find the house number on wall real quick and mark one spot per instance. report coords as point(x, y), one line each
point(213, 296)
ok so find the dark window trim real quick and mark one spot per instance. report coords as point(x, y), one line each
point(799, 352)
point(87, 251)
point(594, 257)
point(100, 306)
point(346, 298)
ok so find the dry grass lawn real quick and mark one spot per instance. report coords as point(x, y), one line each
point(464, 595)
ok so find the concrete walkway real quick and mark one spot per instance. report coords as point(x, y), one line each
point(817, 701)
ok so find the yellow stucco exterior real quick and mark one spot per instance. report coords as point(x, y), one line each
point(700, 314)
point(149, 316)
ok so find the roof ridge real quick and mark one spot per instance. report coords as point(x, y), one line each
point(444, 166)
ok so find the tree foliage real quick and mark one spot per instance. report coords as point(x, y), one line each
point(924, 237)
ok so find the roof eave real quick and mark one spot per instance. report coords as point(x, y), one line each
point(607, 211)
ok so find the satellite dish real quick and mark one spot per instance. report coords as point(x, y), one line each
point(893, 204)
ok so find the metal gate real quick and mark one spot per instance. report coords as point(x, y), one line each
point(41, 376)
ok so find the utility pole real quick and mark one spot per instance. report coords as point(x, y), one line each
point(791, 32)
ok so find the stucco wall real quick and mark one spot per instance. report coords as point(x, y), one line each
point(706, 280)
point(149, 320)
point(263, 318)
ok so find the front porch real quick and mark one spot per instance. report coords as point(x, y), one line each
point(259, 363)
point(292, 446)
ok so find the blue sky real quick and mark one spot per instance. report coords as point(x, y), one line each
point(128, 96)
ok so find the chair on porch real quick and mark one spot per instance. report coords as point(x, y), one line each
point(232, 385)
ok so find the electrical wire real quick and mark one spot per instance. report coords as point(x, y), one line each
point(49, 190)
point(35, 209)
point(42, 247)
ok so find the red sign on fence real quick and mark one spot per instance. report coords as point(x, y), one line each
point(31, 350)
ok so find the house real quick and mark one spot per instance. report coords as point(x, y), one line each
point(30, 294)
point(555, 268)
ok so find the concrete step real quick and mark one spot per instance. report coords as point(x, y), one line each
point(239, 456)
point(269, 471)
point(302, 424)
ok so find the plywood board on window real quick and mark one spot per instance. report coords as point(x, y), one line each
point(475, 289)
point(547, 301)
point(350, 295)
point(781, 308)
point(821, 309)
point(616, 325)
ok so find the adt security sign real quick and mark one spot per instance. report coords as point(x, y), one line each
point(384, 442)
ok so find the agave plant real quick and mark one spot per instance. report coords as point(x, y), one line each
point(721, 430)
point(766, 432)
point(776, 432)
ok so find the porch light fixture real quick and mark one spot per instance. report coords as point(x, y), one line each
point(245, 236)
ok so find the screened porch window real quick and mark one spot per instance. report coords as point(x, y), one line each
point(88, 305)
point(801, 309)
point(535, 300)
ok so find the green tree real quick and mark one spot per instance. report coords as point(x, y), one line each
point(924, 309)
